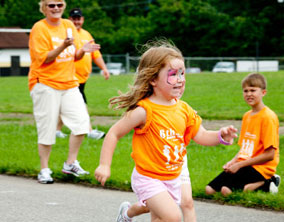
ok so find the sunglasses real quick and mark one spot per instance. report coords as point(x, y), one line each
point(174, 75)
point(59, 5)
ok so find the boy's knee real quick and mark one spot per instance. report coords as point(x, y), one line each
point(225, 191)
point(209, 190)
point(247, 188)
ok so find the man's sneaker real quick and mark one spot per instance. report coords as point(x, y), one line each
point(274, 184)
point(96, 134)
point(59, 134)
point(44, 176)
point(74, 169)
point(121, 213)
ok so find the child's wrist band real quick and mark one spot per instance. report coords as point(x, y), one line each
point(221, 140)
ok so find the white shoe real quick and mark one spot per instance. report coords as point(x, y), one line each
point(277, 180)
point(96, 134)
point(44, 176)
point(74, 169)
point(274, 184)
point(59, 134)
point(121, 213)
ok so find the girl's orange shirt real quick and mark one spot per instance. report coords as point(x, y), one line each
point(259, 132)
point(159, 147)
point(60, 73)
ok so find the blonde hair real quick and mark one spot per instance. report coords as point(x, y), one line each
point(43, 3)
point(254, 80)
point(155, 57)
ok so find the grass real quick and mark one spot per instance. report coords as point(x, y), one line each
point(214, 96)
point(204, 163)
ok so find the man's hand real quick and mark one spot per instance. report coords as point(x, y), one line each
point(91, 46)
point(106, 74)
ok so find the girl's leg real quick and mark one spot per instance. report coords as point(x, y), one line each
point(136, 210)
point(164, 208)
point(187, 205)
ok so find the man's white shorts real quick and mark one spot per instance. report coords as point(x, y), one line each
point(49, 104)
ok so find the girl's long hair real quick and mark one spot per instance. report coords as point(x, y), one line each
point(156, 55)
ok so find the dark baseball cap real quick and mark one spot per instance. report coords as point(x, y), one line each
point(75, 12)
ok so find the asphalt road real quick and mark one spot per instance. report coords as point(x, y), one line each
point(25, 200)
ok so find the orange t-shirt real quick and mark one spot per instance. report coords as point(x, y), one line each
point(159, 147)
point(60, 73)
point(84, 65)
point(259, 132)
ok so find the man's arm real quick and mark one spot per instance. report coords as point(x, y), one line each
point(101, 64)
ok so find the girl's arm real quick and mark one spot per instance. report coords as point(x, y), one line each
point(211, 138)
point(132, 119)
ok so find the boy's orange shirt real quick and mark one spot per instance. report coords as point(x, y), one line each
point(60, 73)
point(84, 65)
point(259, 132)
point(159, 147)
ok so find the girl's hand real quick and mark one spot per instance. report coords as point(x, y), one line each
point(229, 133)
point(102, 173)
point(90, 46)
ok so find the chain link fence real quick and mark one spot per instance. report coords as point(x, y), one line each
point(204, 64)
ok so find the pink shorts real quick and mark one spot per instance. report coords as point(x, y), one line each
point(146, 187)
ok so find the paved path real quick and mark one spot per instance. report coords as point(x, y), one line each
point(25, 200)
point(25, 118)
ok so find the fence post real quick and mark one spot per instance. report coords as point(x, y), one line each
point(108, 58)
point(127, 63)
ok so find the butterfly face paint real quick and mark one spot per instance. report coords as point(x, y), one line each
point(174, 75)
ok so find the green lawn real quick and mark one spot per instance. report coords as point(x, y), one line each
point(214, 96)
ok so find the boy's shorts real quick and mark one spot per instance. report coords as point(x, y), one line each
point(50, 103)
point(147, 187)
point(238, 180)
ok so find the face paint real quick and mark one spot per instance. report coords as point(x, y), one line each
point(174, 75)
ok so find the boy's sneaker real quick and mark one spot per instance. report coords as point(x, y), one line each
point(59, 134)
point(96, 134)
point(274, 184)
point(74, 169)
point(121, 213)
point(44, 176)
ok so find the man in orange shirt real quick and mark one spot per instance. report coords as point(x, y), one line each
point(254, 166)
point(84, 67)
